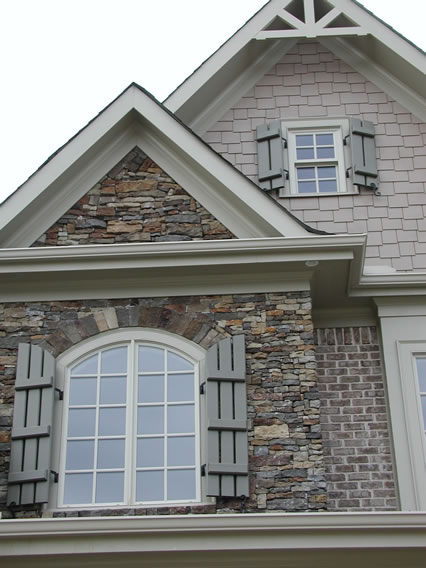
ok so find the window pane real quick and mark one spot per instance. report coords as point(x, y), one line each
point(151, 359)
point(421, 373)
point(80, 454)
point(305, 173)
point(181, 484)
point(178, 363)
point(181, 451)
point(150, 452)
point(306, 186)
point(111, 454)
point(151, 388)
point(180, 418)
point(113, 390)
point(150, 485)
point(327, 185)
point(81, 422)
point(83, 391)
point(324, 139)
point(423, 403)
point(87, 367)
point(78, 488)
point(112, 421)
point(110, 487)
point(180, 387)
point(304, 140)
point(151, 420)
point(327, 172)
point(114, 360)
point(305, 153)
point(326, 152)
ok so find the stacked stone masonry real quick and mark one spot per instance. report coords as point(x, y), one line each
point(135, 202)
point(285, 445)
point(310, 81)
point(354, 422)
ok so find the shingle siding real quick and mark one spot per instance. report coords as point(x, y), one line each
point(312, 82)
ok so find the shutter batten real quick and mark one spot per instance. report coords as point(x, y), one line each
point(363, 149)
point(227, 467)
point(32, 423)
point(270, 156)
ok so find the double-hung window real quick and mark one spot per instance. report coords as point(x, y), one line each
point(316, 161)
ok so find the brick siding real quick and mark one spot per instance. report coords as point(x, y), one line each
point(354, 421)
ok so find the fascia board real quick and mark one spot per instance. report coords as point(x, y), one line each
point(163, 269)
point(236, 86)
point(227, 194)
point(60, 538)
point(110, 123)
point(399, 91)
point(223, 55)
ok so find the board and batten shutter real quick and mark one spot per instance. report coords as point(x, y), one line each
point(363, 150)
point(270, 154)
point(29, 470)
point(227, 467)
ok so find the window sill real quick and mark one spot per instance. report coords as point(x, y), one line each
point(302, 195)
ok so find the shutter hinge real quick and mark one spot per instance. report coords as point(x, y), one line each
point(285, 141)
point(203, 470)
point(61, 393)
point(203, 388)
point(55, 476)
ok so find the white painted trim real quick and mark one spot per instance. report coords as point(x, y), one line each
point(249, 540)
point(136, 119)
point(390, 84)
point(350, 317)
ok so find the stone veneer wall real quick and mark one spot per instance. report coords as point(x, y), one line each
point(310, 81)
point(285, 446)
point(135, 202)
point(354, 422)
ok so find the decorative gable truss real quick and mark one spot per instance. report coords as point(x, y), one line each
point(311, 19)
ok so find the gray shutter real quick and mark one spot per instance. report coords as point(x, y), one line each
point(270, 155)
point(32, 423)
point(363, 149)
point(227, 467)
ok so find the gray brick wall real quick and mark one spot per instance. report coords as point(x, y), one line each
point(354, 421)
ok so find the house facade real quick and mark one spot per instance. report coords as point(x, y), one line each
point(212, 313)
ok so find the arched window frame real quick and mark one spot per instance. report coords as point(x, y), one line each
point(110, 339)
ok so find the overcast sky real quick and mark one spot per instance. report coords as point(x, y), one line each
point(62, 61)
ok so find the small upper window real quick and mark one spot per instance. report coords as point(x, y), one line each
point(131, 427)
point(316, 161)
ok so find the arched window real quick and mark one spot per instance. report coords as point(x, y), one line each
point(131, 425)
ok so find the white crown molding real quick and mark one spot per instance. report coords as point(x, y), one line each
point(247, 541)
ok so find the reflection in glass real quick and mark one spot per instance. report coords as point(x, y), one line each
point(151, 420)
point(78, 488)
point(114, 360)
point(305, 153)
point(112, 421)
point(150, 485)
point(325, 153)
point(306, 186)
point(180, 387)
point(113, 390)
point(83, 391)
point(329, 185)
point(180, 418)
point(151, 359)
point(151, 388)
point(327, 172)
point(421, 373)
point(177, 363)
point(324, 139)
point(180, 484)
point(80, 454)
point(150, 452)
point(181, 450)
point(81, 422)
point(87, 367)
point(305, 173)
point(304, 140)
point(111, 454)
point(109, 487)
